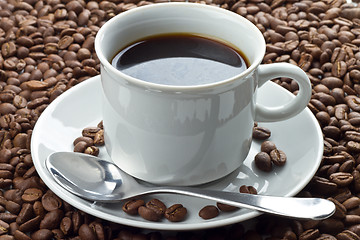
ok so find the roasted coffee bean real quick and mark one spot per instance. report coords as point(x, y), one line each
point(36, 85)
point(225, 207)
point(99, 138)
point(351, 203)
point(331, 226)
point(50, 201)
point(261, 133)
point(25, 214)
point(353, 102)
point(66, 225)
point(4, 227)
point(263, 161)
point(85, 232)
point(30, 225)
point(100, 231)
point(80, 146)
point(278, 157)
point(42, 234)
point(90, 131)
point(52, 219)
point(324, 186)
point(149, 214)
point(13, 195)
point(309, 234)
point(356, 182)
point(340, 211)
point(92, 150)
point(352, 135)
point(347, 235)
point(176, 213)
point(267, 146)
point(247, 189)
point(157, 206)
point(7, 217)
point(32, 195)
point(88, 140)
point(209, 212)
point(341, 179)
point(12, 207)
point(20, 235)
point(77, 220)
point(7, 108)
point(131, 206)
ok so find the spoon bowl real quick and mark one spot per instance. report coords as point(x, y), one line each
point(98, 180)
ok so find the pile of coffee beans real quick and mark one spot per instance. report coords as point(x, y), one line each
point(269, 154)
point(47, 46)
point(154, 210)
point(90, 140)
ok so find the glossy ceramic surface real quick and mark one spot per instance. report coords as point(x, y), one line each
point(81, 106)
point(186, 135)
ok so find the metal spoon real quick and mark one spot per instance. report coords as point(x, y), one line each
point(97, 180)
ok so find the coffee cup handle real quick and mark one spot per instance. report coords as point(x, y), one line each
point(267, 72)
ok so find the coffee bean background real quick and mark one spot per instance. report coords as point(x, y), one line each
point(47, 46)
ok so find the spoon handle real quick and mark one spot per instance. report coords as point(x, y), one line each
point(300, 208)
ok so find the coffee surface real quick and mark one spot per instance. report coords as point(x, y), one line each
point(180, 59)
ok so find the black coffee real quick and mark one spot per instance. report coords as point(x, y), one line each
point(180, 59)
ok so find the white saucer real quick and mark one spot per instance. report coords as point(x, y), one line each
point(300, 138)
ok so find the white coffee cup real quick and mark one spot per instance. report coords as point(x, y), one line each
point(186, 135)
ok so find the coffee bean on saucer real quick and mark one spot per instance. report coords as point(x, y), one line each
point(247, 189)
point(149, 214)
point(92, 150)
point(225, 207)
point(261, 133)
point(80, 146)
point(156, 205)
point(88, 140)
point(131, 207)
point(278, 157)
point(263, 161)
point(267, 146)
point(100, 125)
point(90, 131)
point(176, 213)
point(99, 138)
point(209, 212)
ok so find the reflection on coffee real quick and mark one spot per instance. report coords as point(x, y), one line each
point(181, 59)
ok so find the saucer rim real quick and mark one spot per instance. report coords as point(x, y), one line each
point(166, 226)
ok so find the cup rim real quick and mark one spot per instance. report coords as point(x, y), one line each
point(176, 88)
